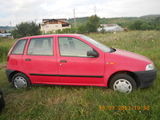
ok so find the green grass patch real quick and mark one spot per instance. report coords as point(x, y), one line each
point(5, 45)
point(82, 103)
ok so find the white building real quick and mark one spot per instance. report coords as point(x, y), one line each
point(110, 28)
point(51, 25)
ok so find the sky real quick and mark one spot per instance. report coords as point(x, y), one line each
point(13, 12)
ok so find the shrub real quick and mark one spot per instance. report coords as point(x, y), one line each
point(26, 29)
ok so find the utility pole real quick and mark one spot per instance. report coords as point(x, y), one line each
point(95, 10)
point(10, 23)
point(74, 14)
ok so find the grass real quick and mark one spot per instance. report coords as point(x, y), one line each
point(5, 44)
point(81, 103)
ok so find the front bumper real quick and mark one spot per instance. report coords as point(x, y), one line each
point(145, 78)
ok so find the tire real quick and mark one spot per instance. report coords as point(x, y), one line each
point(122, 83)
point(20, 80)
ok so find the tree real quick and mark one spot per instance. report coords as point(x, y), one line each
point(147, 26)
point(136, 25)
point(157, 23)
point(93, 23)
point(26, 29)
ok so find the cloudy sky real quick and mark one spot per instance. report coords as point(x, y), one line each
point(15, 11)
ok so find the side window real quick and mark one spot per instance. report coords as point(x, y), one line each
point(19, 47)
point(73, 47)
point(40, 46)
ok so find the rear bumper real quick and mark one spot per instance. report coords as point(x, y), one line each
point(146, 78)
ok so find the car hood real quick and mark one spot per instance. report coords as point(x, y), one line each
point(129, 57)
point(132, 55)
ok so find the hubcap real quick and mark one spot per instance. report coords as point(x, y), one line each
point(122, 85)
point(20, 82)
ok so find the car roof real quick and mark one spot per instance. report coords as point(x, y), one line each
point(50, 35)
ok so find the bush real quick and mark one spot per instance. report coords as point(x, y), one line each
point(5, 45)
point(67, 30)
point(93, 24)
point(82, 29)
point(26, 29)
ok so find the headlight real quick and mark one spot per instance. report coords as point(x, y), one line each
point(149, 67)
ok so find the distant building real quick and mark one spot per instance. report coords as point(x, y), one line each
point(110, 28)
point(51, 25)
point(6, 35)
point(6, 29)
point(2, 31)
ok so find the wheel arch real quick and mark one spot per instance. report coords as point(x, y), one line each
point(11, 74)
point(133, 75)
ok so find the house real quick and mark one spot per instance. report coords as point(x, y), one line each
point(110, 28)
point(51, 25)
point(2, 31)
point(6, 35)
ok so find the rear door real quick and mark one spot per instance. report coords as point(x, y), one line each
point(40, 61)
point(15, 57)
point(75, 67)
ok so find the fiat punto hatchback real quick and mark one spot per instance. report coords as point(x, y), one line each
point(75, 59)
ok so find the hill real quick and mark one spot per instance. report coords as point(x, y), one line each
point(79, 20)
point(150, 16)
point(123, 21)
point(7, 28)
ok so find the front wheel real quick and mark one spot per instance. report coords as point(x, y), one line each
point(20, 80)
point(122, 83)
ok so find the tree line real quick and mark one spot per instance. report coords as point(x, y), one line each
point(153, 24)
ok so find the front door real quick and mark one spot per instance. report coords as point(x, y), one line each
point(75, 67)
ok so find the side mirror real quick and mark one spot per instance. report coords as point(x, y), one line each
point(92, 53)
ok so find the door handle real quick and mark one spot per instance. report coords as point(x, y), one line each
point(27, 59)
point(63, 61)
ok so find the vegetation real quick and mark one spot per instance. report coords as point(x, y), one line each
point(149, 22)
point(92, 24)
point(86, 103)
point(80, 21)
point(26, 29)
point(89, 27)
point(146, 25)
point(5, 44)
point(67, 30)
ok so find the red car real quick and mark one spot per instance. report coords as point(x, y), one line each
point(75, 59)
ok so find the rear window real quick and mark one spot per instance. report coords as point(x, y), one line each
point(19, 47)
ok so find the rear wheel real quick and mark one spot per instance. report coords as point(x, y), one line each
point(20, 80)
point(122, 83)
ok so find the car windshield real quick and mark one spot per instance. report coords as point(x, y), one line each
point(97, 44)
